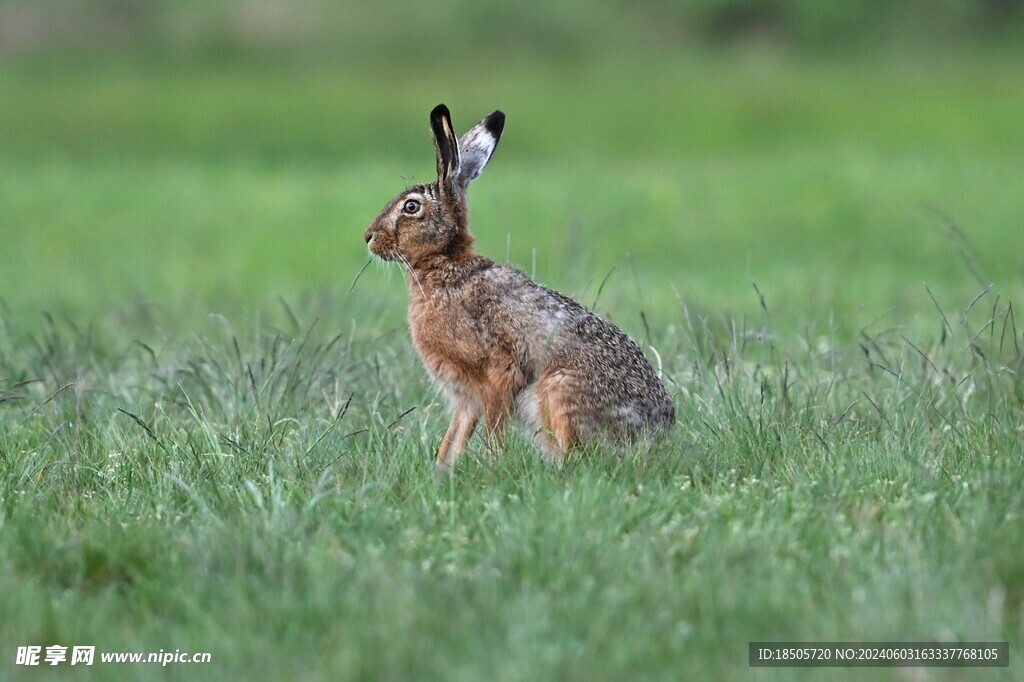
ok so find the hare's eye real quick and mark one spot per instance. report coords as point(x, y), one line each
point(411, 206)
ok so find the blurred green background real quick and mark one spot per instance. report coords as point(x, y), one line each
point(218, 155)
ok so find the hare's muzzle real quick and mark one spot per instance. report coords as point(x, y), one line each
point(380, 244)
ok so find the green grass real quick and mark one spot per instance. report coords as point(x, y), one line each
point(207, 443)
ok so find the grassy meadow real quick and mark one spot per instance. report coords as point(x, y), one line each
point(211, 441)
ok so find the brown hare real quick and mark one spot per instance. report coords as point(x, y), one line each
point(502, 346)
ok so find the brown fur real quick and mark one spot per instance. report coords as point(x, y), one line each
point(501, 345)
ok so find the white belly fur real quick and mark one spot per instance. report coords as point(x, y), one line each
point(526, 410)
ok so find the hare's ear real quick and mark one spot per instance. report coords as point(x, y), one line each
point(446, 145)
point(477, 146)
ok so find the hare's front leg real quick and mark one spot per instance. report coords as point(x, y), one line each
point(497, 412)
point(503, 381)
point(464, 420)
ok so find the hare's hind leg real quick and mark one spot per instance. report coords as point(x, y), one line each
point(555, 441)
point(554, 406)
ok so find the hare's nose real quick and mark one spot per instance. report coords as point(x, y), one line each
point(368, 236)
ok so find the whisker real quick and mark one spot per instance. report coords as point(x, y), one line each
point(412, 273)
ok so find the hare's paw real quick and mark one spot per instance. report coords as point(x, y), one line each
point(442, 471)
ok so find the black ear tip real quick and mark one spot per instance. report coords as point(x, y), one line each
point(440, 111)
point(495, 123)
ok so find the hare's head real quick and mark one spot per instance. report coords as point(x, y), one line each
point(431, 220)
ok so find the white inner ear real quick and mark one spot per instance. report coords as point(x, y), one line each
point(476, 148)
